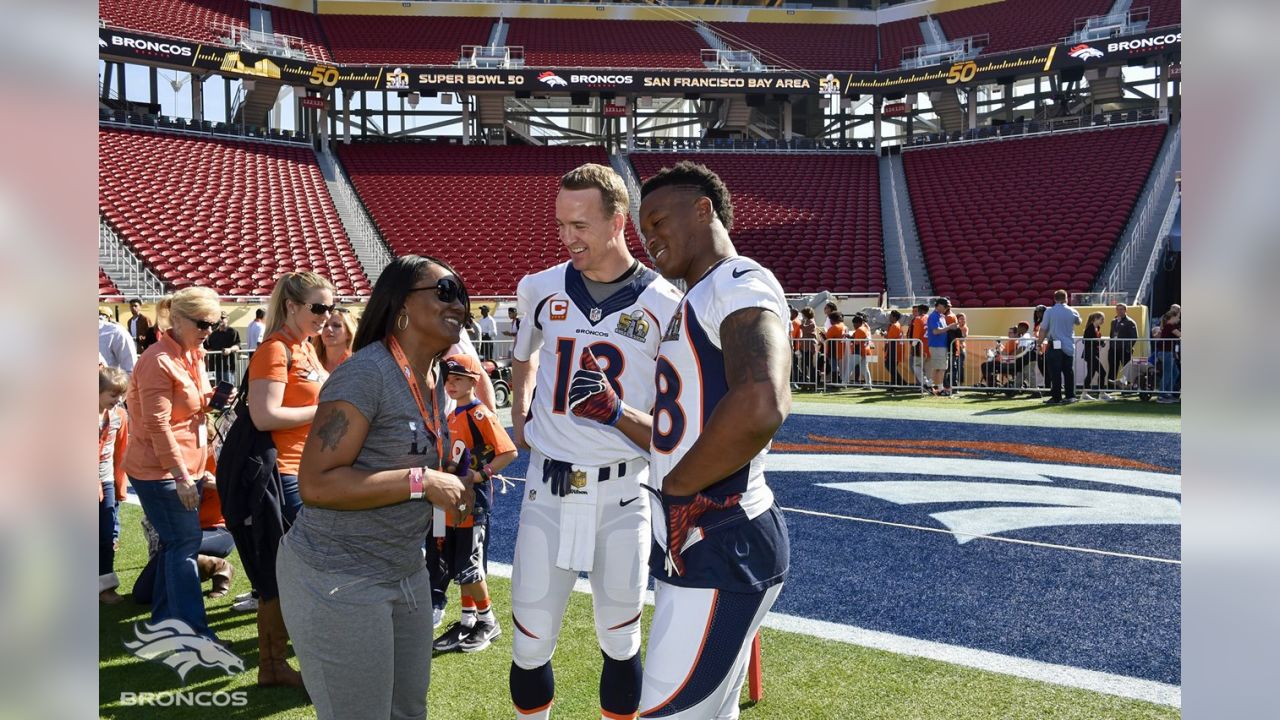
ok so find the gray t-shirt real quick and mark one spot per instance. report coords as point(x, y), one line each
point(386, 542)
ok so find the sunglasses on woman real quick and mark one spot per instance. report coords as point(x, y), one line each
point(204, 324)
point(448, 290)
point(322, 309)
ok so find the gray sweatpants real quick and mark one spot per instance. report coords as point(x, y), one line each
point(364, 644)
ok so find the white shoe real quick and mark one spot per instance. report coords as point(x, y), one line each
point(437, 617)
point(1107, 397)
point(1087, 396)
point(248, 604)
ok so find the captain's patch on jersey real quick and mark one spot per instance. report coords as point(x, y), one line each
point(559, 309)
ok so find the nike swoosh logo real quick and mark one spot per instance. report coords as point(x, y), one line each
point(740, 273)
point(624, 503)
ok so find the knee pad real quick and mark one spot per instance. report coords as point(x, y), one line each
point(529, 651)
point(620, 642)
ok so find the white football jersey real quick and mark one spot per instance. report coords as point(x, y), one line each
point(623, 332)
point(690, 374)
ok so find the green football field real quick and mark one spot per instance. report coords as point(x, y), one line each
point(804, 677)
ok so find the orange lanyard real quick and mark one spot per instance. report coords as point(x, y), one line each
point(430, 418)
point(193, 369)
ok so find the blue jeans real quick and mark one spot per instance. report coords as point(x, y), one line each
point(214, 542)
point(292, 499)
point(1169, 373)
point(108, 514)
point(177, 585)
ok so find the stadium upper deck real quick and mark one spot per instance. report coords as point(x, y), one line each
point(622, 36)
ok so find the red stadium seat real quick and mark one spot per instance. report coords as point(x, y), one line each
point(489, 211)
point(991, 217)
point(814, 220)
point(199, 20)
point(207, 195)
point(1018, 24)
point(607, 43)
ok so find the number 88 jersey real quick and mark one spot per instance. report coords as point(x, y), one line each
point(561, 319)
point(690, 375)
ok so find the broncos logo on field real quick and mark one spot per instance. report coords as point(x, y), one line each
point(175, 644)
point(1059, 487)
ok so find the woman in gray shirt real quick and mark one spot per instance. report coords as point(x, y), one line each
point(353, 584)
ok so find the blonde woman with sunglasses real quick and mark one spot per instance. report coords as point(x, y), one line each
point(168, 404)
point(284, 389)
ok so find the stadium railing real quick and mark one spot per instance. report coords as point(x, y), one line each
point(1077, 123)
point(795, 145)
point(200, 128)
point(1141, 366)
point(1146, 213)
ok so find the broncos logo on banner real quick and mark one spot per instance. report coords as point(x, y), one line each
point(175, 644)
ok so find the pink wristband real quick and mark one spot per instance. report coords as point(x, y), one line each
point(417, 490)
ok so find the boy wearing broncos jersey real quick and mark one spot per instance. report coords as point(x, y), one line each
point(721, 551)
point(583, 509)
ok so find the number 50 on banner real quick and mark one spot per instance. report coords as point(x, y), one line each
point(962, 72)
point(324, 75)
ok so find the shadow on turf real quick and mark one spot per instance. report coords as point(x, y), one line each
point(120, 672)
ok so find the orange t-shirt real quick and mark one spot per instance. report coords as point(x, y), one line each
point(918, 332)
point(210, 503)
point(862, 344)
point(836, 332)
point(795, 328)
point(493, 441)
point(284, 359)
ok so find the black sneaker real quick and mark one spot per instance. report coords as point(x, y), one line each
point(452, 638)
point(481, 635)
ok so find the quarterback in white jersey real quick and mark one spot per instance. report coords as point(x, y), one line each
point(595, 321)
point(720, 543)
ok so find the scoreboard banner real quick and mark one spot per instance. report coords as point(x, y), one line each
point(125, 45)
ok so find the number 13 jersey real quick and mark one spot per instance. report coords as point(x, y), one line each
point(561, 319)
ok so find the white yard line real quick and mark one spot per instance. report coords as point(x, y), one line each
point(1065, 675)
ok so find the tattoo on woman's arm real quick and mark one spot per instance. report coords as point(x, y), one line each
point(332, 429)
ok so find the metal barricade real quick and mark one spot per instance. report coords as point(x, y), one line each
point(1103, 368)
point(806, 365)
point(871, 363)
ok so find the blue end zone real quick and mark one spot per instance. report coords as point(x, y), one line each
point(1093, 610)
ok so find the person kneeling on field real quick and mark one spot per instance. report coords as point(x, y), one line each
point(464, 549)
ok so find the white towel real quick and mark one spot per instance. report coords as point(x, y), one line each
point(578, 524)
point(437, 522)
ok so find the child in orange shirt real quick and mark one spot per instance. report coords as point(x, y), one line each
point(113, 433)
point(472, 427)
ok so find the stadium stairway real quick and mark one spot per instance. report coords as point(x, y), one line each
point(904, 266)
point(1128, 262)
point(122, 267)
point(368, 243)
point(951, 114)
point(623, 167)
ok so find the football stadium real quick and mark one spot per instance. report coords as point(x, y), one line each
point(872, 304)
